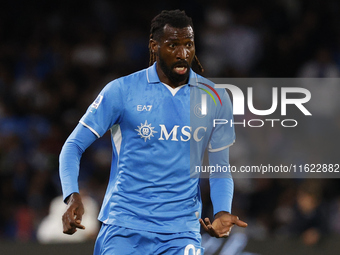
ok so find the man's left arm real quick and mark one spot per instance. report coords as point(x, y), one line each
point(221, 182)
point(221, 193)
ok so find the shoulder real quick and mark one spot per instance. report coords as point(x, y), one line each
point(202, 80)
point(134, 77)
point(205, 82)
point(124, 82)
point(220, 94)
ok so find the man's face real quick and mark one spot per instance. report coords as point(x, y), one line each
point(175, 52)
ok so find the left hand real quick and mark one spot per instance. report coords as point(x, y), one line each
point(73, 215)
point(222, 224)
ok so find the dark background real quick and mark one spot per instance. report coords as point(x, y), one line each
point(55, 56)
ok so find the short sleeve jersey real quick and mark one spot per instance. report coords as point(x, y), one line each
point(158, 136)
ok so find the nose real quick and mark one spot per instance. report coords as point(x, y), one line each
point(182, 53)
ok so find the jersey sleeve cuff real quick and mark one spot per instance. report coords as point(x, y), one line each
point(69, 192)
point(222, 208)
point(89, 127)
point(210, 149)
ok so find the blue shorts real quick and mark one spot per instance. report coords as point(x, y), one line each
point(115, 240)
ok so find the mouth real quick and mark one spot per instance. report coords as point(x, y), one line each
point(181, 69)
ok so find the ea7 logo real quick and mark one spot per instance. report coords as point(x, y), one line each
point(190, 250)
point(141, 108)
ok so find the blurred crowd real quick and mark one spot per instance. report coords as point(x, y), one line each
point(55, 56)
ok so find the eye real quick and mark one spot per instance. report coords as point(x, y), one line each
point(190, 44)
point(172, 45)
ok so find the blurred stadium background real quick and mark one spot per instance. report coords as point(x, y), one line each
point(55, 56)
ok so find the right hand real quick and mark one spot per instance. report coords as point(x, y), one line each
point(73, 215)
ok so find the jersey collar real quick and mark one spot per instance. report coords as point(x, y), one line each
point(152, 76)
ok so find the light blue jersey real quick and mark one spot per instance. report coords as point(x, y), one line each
point(159, 135)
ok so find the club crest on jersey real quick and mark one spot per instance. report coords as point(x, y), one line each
point(200, 111)
point(145, 131)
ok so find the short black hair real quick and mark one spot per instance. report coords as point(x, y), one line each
point(174, 18)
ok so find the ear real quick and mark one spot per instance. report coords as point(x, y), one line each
point(153, 45)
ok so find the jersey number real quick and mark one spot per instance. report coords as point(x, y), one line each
point(192, 248)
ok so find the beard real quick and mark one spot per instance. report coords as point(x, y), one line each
point(171, 74)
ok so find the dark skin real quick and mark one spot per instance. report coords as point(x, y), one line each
point(73, 214)
point(176, 48)
point(175, 52)
point(222, 224)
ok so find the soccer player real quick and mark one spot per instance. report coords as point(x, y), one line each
point(159, 134)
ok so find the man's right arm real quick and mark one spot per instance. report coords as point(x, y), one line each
point(79, 140)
